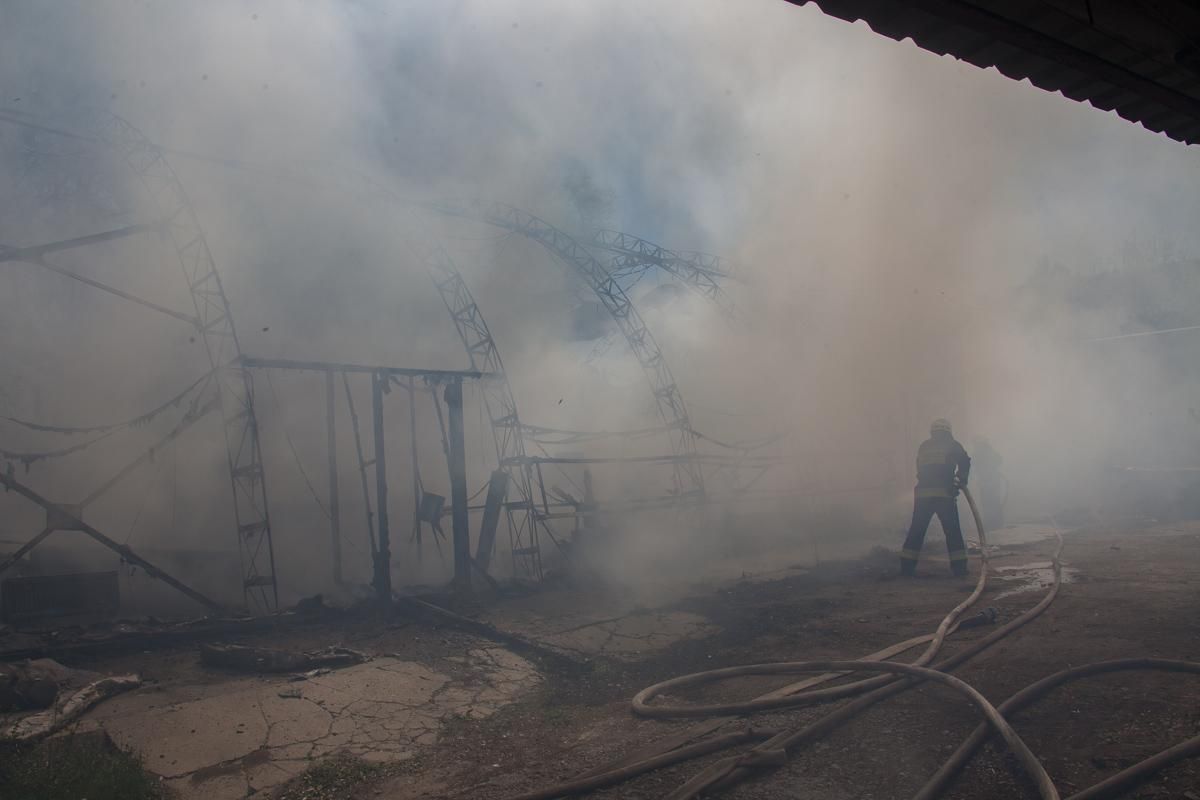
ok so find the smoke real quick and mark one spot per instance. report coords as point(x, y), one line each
point(914, 238)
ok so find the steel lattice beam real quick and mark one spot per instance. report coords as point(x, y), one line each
point(236, 391)
point(609, 291)
point(501, 407)
point(633, 256)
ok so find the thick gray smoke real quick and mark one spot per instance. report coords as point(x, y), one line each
point(914, 238)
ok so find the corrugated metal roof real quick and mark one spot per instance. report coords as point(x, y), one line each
point(1139, 59)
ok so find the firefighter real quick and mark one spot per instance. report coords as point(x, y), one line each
point(942, 469)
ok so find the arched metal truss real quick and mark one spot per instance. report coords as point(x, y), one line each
point(718, 265)
point(501, 407)
point(633, 256)
point(217, 331)
point(689, 479)
point(176, 221)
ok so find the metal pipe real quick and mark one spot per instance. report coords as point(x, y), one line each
point(457, 462)
point(418, 529)
point(335, 514)
point(324, 366)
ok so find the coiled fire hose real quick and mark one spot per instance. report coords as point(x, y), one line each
point(774, 747)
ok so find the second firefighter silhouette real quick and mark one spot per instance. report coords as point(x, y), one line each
point(942, 468)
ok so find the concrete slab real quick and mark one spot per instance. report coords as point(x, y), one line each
point(219, 741)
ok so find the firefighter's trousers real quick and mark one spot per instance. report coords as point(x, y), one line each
point(946, 509)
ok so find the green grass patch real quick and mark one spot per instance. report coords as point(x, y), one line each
point(555, 715)
point(332, 779)
point(73, 767)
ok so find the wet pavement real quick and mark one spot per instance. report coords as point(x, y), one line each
point(1034, 577)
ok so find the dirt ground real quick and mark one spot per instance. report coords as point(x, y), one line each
point(1130, 592)
point(454, 716)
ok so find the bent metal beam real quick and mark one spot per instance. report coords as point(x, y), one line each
point(64, 515)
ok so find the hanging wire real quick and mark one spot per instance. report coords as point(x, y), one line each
point(28, 458)
point(292, 447)
point(478, 492)
point(135, 422)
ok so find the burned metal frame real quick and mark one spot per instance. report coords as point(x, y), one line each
point(633, 256)
point(62, 516)
point(501, 406)
point(177, 223)
point(382, 378)
point(36, 255)
point(251, 362)
point(689, 480)
point(65, 516)
point(235, 388)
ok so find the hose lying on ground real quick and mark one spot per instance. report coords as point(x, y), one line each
point(1035, 691)
point(1019, 748)
point(736, 768)
point(787, 696)
point(775, 749)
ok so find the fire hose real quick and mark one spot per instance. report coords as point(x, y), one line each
point(773, 747)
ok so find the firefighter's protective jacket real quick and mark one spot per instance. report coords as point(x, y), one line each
point(940, 461)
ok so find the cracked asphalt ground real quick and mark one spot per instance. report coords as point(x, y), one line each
point(226, 739)
point(218, 735)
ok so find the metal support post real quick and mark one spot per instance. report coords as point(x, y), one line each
point(383, 557)
point(457, 462)
point(335, 515)
point(362, 468)
point(416, 465)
